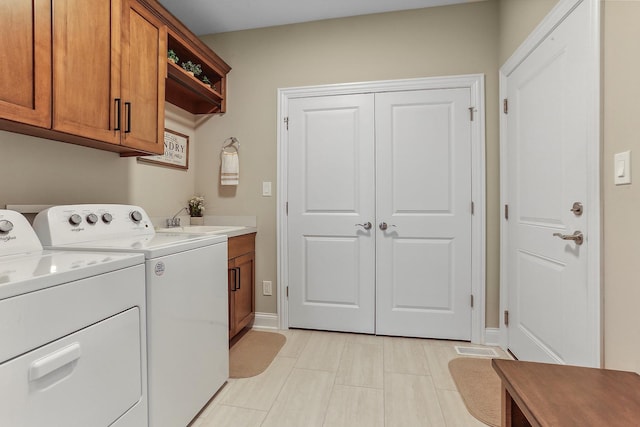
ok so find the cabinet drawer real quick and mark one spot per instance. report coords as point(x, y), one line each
point(240, 245)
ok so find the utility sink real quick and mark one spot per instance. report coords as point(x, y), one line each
point(202, 229)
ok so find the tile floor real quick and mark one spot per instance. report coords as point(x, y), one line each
point(329, 379)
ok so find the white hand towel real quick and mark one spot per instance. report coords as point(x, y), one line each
point(230, 169)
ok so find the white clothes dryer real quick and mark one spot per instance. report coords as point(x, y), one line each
point(187, 300)
point(72, 334)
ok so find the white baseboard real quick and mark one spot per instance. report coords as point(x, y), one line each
point(266, 321)
point(492, 336)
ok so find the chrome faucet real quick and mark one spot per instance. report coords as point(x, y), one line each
point(174, 221)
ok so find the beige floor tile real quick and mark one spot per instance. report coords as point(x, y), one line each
point(355, 407)
point(260, 392)
point(364, 339)
point(218, 397)
point(296, 342)
point(455, 412)
point(411, 400)
point(361, 365)
point(303, 400)
point(322, 352)
point(231, 416)
point(439, 357)
point(405, 356)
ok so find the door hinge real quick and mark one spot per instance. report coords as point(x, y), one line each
point(286, 208)
point(506, 318)
point(471, 300)
point(506, 212)
point(505, 106)
point(473, 208)
point(286, 121)
point(471, 111)
point(287, 292)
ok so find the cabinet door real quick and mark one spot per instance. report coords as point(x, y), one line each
point(25, 61)
point(144, 70)
point(86, 68)
point(243, 295)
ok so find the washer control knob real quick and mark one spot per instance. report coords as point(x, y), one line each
point(136, 216)
point(6, 226)
point(107, 218)
point(92, 218)
point(75, 219)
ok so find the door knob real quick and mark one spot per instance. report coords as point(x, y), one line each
point(366, 225)
point(383, 226)
point(577, 237)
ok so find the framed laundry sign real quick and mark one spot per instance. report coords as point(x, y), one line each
point(176, 151)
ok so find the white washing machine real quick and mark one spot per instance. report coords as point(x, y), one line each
point(187, 300)
point(72, 334)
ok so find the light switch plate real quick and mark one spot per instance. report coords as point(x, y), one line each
point(266, 188)
point(622, 168)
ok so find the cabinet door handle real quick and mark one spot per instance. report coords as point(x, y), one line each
point(235, 279)
point(127, 107)
point(117, 113)
point(239, 277)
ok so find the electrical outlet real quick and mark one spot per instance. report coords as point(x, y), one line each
point(266, 288)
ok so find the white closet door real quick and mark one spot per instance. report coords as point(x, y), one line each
point(330, 190)
point(423, 192)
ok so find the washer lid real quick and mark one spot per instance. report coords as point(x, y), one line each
point(28, 272)
point(152, 246)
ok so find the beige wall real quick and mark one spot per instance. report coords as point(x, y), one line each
point(621, 203)
point(40, 171)
point(439, 41)
point(518, 18)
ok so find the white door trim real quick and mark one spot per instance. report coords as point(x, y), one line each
point(593, 206)
point(475, 83)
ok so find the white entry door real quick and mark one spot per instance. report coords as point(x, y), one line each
point(339, 194)
point(423, 194)
point(550, 297)
point(331, 190)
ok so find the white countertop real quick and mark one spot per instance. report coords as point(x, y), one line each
point(229, 231)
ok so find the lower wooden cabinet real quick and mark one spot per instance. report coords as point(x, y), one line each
point(241, 275)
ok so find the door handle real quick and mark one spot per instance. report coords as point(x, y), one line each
point(366, 225)
point(383, 226)
point(239, 277)
point(577, 237)
point(56, 360)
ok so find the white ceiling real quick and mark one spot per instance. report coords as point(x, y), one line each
point(218, 16)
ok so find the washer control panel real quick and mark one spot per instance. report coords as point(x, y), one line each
point(16, 234)
point(82, 223)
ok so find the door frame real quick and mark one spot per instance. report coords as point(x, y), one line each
point(475, 83)
point(593, 205)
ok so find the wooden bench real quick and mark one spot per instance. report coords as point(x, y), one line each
point(540, 394)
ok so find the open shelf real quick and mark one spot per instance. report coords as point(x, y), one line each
point(189, 92)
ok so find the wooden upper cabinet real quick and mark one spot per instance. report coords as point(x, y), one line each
point(144, 70)
point(25, 61)
point(94, 72)
point(86, 68)
point(108, 79)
